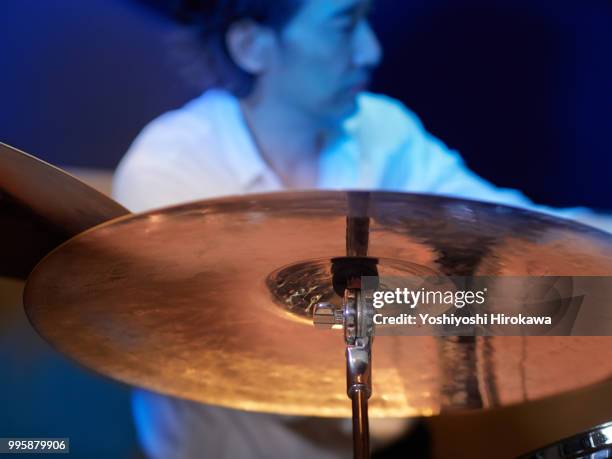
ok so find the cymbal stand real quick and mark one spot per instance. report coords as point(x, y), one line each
point(355, 315)
point(356, 319)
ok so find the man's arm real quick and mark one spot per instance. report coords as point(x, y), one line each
point(423, 164)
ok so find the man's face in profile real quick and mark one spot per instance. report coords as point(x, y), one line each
point(323, 59)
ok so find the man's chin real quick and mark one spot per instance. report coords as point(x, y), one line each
point(341, 112)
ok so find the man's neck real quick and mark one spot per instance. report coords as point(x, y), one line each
point(288, 142)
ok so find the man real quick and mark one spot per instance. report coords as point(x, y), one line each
point(294, 116)
point(287, 110)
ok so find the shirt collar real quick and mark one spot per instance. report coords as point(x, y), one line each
point(242, 154)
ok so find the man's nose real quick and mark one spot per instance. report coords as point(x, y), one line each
point(367, 50)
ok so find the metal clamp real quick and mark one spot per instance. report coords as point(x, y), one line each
point(356, 318)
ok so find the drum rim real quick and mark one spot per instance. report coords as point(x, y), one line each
point(576, 445)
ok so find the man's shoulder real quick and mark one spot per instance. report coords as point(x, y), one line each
point(179, 156)
point(382, 125)
point(191, 132)
point(195, 122)
point(384, 112)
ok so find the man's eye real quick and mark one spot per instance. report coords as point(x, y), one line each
point(346, 26)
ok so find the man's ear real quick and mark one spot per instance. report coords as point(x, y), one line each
point(250, 45)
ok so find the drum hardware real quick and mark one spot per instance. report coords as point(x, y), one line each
point(595, 443)
point(355, 317)
point(150, 300)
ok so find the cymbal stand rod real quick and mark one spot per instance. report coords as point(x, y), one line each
point(361, 429)
point(356, 318)
point(358, 338)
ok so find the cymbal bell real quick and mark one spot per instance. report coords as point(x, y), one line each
point(199, 301)
point(42, 206)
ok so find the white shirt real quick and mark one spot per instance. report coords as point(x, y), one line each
point(205, 150)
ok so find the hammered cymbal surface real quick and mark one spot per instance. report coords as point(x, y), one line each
point(178, 301)
point(42, 206)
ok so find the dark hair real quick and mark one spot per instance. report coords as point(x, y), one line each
point(210, 20)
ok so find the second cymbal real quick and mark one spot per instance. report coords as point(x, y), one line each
point(41, 206)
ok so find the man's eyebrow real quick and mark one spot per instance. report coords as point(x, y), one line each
point(353, 9)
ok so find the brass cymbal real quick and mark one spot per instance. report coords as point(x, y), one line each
point(198, 301)
point(41, 206)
